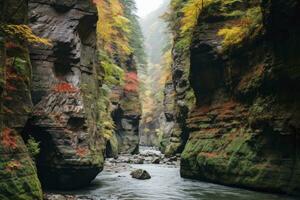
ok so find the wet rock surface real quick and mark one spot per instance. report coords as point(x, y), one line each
point(146, 156)
point(49, 196)
point(140, 174)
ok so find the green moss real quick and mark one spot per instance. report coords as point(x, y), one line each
point(172, 149)
point(183, 44)
point(191, 99)
point(114, 146)
point(21, 65)
point(33, 147)
point(18, 181)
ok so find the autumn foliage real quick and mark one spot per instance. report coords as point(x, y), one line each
point(23, 33)
point(131, 82)
point(12, 166)
point(7, 139)
point(65, 88)
point(113, 27)
point(81, 152)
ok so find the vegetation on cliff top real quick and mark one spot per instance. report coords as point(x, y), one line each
point(245, 27)
point(184, 17)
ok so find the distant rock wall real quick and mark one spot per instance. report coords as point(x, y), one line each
point(127, 112)
point(18, 176)
point(65, 91)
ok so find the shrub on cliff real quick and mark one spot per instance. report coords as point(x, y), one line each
point(22, 33)
point(33, 147)
point(246, 27)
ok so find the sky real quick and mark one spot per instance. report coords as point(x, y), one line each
point(147, 6)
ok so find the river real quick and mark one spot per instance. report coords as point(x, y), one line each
point(165, 184)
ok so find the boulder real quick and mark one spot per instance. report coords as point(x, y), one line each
point(140, 174)
point(156, 161)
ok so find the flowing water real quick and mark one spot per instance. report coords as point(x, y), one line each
point(165, 184)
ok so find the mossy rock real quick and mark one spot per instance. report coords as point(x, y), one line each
point(18, 176)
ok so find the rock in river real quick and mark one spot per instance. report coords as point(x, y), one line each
point(156, 161)
point(140, 174)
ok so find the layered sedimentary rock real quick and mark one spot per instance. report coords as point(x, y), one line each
point(127, 123)
point(244, 130)
point(167, 121)
point(127, 112)
point(184, 99)
point(18, 176)
point(65, 90)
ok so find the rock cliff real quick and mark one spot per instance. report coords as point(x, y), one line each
point(53, 95)
point(244, 129)
point(18, 176)
point(65, 90)
point(127, 111)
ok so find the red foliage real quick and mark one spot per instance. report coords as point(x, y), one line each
point(8, 140)
point(81, 152)
point(65, 87)
point(209, 154)
point(11, 74)
point(132, 76)
point(11, 45)
point(131, 82)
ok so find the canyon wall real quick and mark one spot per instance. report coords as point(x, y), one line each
point(244, 128)
point(18, 175)
point(52, 95)
point(66, 95)
point(127, 112)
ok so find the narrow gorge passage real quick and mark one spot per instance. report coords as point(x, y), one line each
point(146, 100)
point(157, 126)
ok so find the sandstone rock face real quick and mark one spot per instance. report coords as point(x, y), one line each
point(18, 176)
point(65, 92)
point(244, 130)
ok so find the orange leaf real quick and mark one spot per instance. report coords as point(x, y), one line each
point(8, 140)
